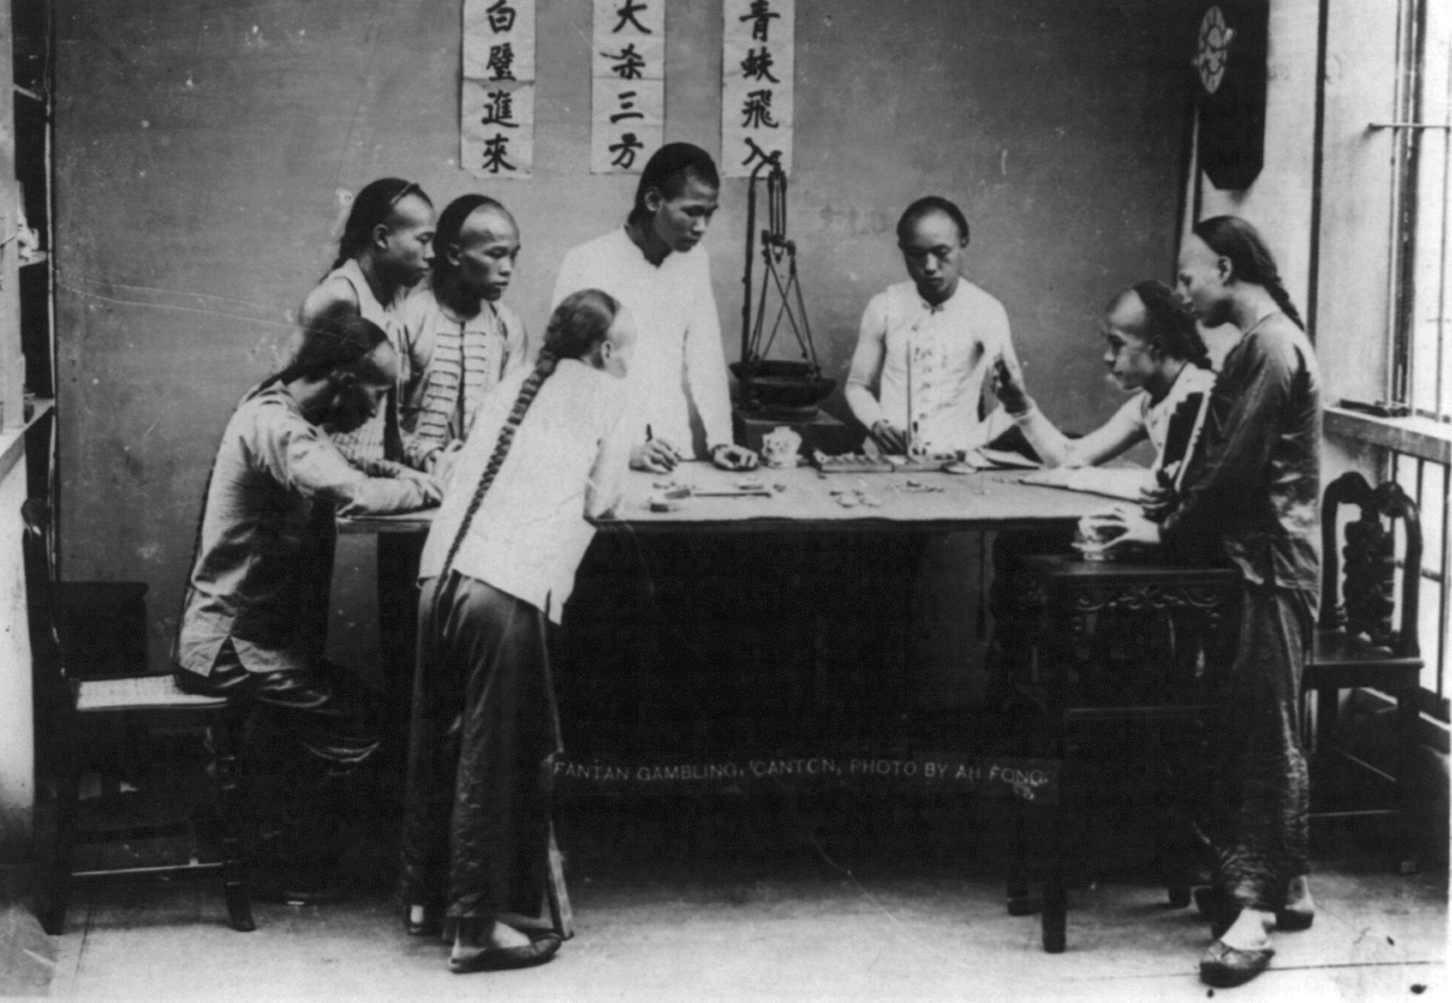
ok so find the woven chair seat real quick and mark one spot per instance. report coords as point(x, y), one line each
point(136, 693)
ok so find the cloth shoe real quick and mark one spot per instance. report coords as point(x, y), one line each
point(494, 959)
point(1225, 967)
point(1298, 913)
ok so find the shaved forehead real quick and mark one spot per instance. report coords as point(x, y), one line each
point(486, 222)
point(1127, 312)
point(412, 210)
point(379, 365)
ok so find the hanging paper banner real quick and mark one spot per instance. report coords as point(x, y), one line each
point(627, 119)
point(496, 101)
point(757, 65)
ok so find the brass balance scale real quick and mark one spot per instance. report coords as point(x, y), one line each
point(778, 391)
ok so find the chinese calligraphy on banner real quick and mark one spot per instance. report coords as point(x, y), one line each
point(757, 66)
point(496, 129)
point(628, 72)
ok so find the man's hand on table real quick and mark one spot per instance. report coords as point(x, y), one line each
point(428, 485)
point(442, 463)
point(657, 456)
point(1157, 502)
point(889, 438)
point(1121, 527)
point(732, 457)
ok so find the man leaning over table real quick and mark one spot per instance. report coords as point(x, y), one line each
point(255, 615)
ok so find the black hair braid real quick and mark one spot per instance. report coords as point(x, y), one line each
point(1283, 300)
point(1167, 325)
point(1251, 260)
point(542, 371)
point(373, 206)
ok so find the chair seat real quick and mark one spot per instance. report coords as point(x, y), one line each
point(139, 693)
point(1337, 647)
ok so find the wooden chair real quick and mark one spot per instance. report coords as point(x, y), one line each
point(1356, 645)
point(70, 709)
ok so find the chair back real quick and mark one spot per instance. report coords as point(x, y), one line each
point(45, 646)
point(1367, 589)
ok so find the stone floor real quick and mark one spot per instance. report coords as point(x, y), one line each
point(663, 922)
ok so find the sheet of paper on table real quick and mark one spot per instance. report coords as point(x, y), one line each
point(991, 459)
point(1124, 483)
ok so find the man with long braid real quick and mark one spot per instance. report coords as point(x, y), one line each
point(546, 452)
point(385, 249)
point(1256, 501)
point(255, 612)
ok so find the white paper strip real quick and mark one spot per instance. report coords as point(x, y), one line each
point(497, 134)
point(627, 120)
point(496, 101)
point(758, 63)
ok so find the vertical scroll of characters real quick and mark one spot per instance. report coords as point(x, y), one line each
point(627, 118)
point(757, 66)
point(496, 130)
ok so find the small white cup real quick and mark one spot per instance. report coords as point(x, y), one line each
point(779, 447)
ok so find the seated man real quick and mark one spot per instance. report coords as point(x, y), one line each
point(254, 619)
point(1153, 348)
point(1154, 351)
point(929, 345)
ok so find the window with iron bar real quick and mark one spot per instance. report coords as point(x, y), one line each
point(1420, 312)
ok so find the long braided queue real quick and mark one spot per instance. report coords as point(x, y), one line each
point(542, 371)
point(1283, 299)
point(1242, 243)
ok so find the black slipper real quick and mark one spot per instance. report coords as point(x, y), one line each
point(494, 959)
point(1221, 911)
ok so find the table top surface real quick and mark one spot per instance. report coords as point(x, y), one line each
point(803, 499)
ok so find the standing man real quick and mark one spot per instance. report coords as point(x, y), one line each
point(386, 248)
point(255, 614)
point(458, 323)
point(929, 345)
point(680, 404)
point(1256, 500)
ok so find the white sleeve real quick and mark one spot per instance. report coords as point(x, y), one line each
point(867, 360)
point(706, 364)
point(302, 457)
point(517, 352)
point(1002, 334)
point(569, 280)
point(607, 477)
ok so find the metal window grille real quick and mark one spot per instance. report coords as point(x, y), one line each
point(1420, 305)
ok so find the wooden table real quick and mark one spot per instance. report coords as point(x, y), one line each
point(803, 643)
point(803, 500)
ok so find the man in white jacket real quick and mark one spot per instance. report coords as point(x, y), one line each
point(680, 404)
